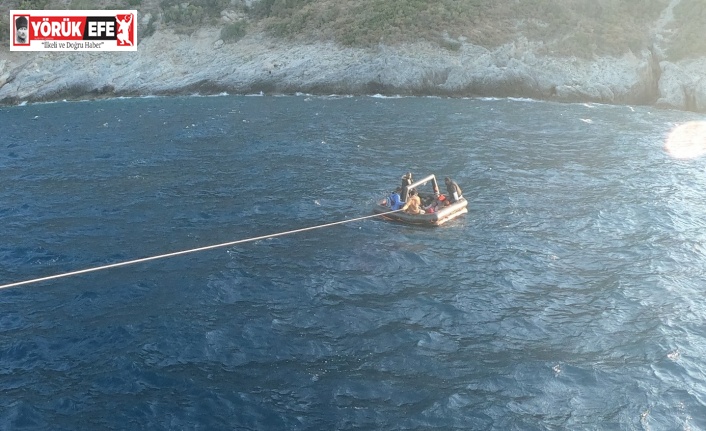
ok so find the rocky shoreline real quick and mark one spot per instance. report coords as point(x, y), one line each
point(167, 63)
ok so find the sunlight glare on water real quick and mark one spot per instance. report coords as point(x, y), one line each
point(687, 140)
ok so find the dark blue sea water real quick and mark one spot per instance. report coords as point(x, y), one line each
point(571, 297)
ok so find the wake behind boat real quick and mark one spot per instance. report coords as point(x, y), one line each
point(435, 209)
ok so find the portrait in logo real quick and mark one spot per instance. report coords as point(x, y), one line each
point(21, 30)
point(125, 30)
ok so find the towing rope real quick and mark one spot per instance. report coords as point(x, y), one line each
point(193, 250)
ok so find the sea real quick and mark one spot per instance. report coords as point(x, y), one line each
point(570, 297)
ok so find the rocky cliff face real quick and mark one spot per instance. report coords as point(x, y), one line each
point(169, 63)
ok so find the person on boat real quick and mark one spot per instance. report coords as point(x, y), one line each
point(453, 189)
point(393, 201)
point(438, 204)
point(406, 182)
point(413, 204)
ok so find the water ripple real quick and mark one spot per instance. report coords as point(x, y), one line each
point(568, 298)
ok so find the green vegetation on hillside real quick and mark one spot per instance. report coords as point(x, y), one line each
point(566, 27)
point(192, 13)
point(583, 28)
point(233, 32)
point(689, 32)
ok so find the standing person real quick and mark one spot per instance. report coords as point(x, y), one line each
point(414, 204)
point(21, 25)
point(406, 182)
point(406, 179)
point(453, 189)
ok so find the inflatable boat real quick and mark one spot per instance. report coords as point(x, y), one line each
point(436, 218)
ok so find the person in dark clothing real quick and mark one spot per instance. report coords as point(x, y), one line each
point(406, 182)
point(406, 179)
point(439, 203)
point(453, 189)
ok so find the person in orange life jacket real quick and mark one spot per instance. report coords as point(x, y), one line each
point(438, 204)
point(453, 189)
point(414, 204)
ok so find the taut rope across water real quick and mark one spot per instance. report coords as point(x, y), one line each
point(179, 253)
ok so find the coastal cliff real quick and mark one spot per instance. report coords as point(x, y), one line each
point(168, 62)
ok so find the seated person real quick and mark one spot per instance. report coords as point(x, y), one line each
point(438, 204)
point(393, 201)
point(414, 204)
